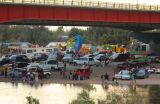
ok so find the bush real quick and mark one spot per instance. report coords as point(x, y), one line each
point(83, 97)
point(31, 100)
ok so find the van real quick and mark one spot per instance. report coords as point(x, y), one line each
point(29, 52)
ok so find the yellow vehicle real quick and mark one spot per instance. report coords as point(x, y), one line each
point(118, 49)
point(114, 48)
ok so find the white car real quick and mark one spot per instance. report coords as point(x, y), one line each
point(114, 56)
point(87, 60)
point(46, 73)
point(123, 74)
point(51, 65)
point(157, 70)
point(52, 55)
point(151, 69)
point(99, 56)
point(68, 58)
point(33, 64)
point(88, 55)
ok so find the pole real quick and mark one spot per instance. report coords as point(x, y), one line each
point(137, 4)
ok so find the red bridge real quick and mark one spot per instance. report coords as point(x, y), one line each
point(54, 12)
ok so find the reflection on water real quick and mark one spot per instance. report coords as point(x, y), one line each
point(47, 93)
point(64, 93)
point(154, 94)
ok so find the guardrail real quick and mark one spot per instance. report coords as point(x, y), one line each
point(90, 4)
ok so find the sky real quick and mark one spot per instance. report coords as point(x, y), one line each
point(148, 2)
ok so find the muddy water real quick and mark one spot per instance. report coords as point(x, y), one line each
point(64, 93)
point(47, 94)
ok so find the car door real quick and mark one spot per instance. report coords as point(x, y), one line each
point(83, 60)
point(52, 64)
point(119, 75)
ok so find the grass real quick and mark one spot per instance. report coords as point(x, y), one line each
point(137, 52)
point(140, 59)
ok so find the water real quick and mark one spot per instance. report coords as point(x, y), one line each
point(47, 94)
point(64, 93)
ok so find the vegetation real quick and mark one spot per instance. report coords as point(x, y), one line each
point(42, 35)
point(31, 100)
point(115, 95)
point(102, 35)
point(83, 97)
point(154, 94)
point(122, 96)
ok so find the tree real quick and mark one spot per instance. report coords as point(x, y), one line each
point(83, 97)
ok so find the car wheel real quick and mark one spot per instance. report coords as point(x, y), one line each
point(75, 63)
point(47, 76)
point(53, 68)
point(144, 77)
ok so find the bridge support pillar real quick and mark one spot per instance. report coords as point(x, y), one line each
point(154, 48)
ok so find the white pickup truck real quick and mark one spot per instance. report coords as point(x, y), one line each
point(87, 60)
point(51, 65)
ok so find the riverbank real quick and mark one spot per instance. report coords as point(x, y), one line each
point(154, 79)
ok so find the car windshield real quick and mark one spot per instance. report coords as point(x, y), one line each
point(125, 72)
point(68, 55)
point(42, 62)
point(141, 71)
point(38, 54)
point(83, 59)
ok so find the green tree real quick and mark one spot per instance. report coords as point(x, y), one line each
point(74, 31)
point(83, 97)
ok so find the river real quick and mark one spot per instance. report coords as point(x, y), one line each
point(16, 93)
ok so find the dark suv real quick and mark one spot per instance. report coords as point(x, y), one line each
point(39, 57)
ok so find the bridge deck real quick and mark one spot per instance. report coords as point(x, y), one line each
point(81, 3)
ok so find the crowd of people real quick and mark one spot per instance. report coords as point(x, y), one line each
point(21, 74)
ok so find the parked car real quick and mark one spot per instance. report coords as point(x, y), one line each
point(19, 58)
point(122, 57)
point(46, 73)
point(53, 55)
point(123, 74)
point(157, 71)
point(4, 61)
point(99, 56)
point(142, 73)
point(89, 55)
point(124, 65)
point(84, 73)
point(152, 58)
point(102, 57)
point(86, 60)
point(39, 57)
point(51, 65)
point(151, 69)
point(68, 58)
point(21, 64)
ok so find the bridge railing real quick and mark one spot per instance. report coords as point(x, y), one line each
point(88, 4)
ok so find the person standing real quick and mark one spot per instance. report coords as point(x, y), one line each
point(65, 66)
point(32, 77)
point(5, 70)
point(105, 78)
point(36, 76)
point(40, 75)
